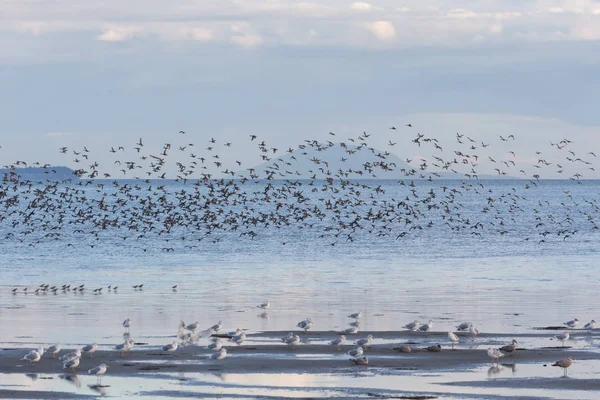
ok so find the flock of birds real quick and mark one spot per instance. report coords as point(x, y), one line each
point(316, 187)
point(189, 334)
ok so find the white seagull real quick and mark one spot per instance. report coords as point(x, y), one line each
point(339, 341)
point(356, 315)
point(98, 371)
point(563, 337)
point(495, 354)
point(217, 327)
point(453, 338)
point(291, 340)
point(306, 324)
point(127, 324)
point(221, 354)
point(72, 364)
point(427, 327)
point(590, 325)
point(413, 326)
point(193, 327)
point(357, 352)
point(70, 356)
point(171, 347)
point(125, 347)
point(54, 350)
point(464, 326)
point(90, 348)
point(351, 331)
point(33, 356)
point(572, 323)
point(264, 305)
point(367, 342)
point(216, 345)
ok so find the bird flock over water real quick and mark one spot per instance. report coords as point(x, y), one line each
point(190, 334)
point(187, 194)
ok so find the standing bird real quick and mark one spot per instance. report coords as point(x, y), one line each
point(306, 324)
point(291, 340)
point(427, 327)
point(495, 354)
point(474, 332)
point(193, 326)
point(510, 348)
point(71, 364)
point(217, 327)
point(351, 331)
point(54, 350)
point(453, 338)
point(357, 352)
point(564, 364)
point(171, 347)
point(98, 371)
point(339, 341)
point(464, 326)
point(216, 345)
point(221, 354)
point(572, 323)
point(264, 305)
point(127, 324)
point(70, 356)
point(33, 357)
point(413, 326)
point(355, 315)
point(90, 348)
point(563, 337)
point(590, 325)
point(367, 342)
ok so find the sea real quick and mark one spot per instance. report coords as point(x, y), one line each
point(525, 254)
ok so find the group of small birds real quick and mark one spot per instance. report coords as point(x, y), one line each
point(190, 334)
point(318, 186)
point(46, 288)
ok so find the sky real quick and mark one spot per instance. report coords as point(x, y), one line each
point(101, 73)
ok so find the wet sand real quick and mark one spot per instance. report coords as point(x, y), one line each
point(263, 355)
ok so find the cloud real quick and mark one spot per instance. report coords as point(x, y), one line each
point(383, 30)
point(202, 34)
point(359, 5)
point(245, 36)
point(117, 34)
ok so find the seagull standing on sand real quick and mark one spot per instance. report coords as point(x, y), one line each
point(510, 348)
point(54, 349)
point(221, 354)
point(572, 323)
point(264, 305)
point(367, 342)
point(413, 326)
point(355, 315)
point(90, 348)
point(427, 327)
point(192, 327)
point(98, 371)
point(71, 356)
point(171, 347)
point(339, 341)
point(239, 339)
point(495, 354)
point(351, 331)
point(216, 345)
point(217, 327)
point(306, 324)
point(474, 332)
point(33, 356)
point(464, 326)
point(125, 347)
point(291, 340)
point(590, 325)
point(453, 338)
point(357, 352)
point(563, 337)
point(127, 324)
point(71, 364)
point(564, 364)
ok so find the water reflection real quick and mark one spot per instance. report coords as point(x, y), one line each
point(99, 389)
point(72, 378)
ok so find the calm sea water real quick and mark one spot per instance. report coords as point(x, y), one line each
point(505, 282)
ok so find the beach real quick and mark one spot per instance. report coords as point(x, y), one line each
point(266, 367)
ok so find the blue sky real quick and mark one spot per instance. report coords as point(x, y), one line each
point(107, 72)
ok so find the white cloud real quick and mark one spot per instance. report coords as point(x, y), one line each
point(359, 5)
point(496, 28)
point(556, 10)
point(383, 30)
point(202, 34)
point(245, 36)
point(117, 34)
point(461, 13)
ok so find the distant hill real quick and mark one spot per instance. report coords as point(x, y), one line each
point(41, 174)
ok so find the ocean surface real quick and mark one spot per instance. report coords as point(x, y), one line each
point(501, 278)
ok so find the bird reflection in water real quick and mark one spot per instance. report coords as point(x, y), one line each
point(101, 389)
